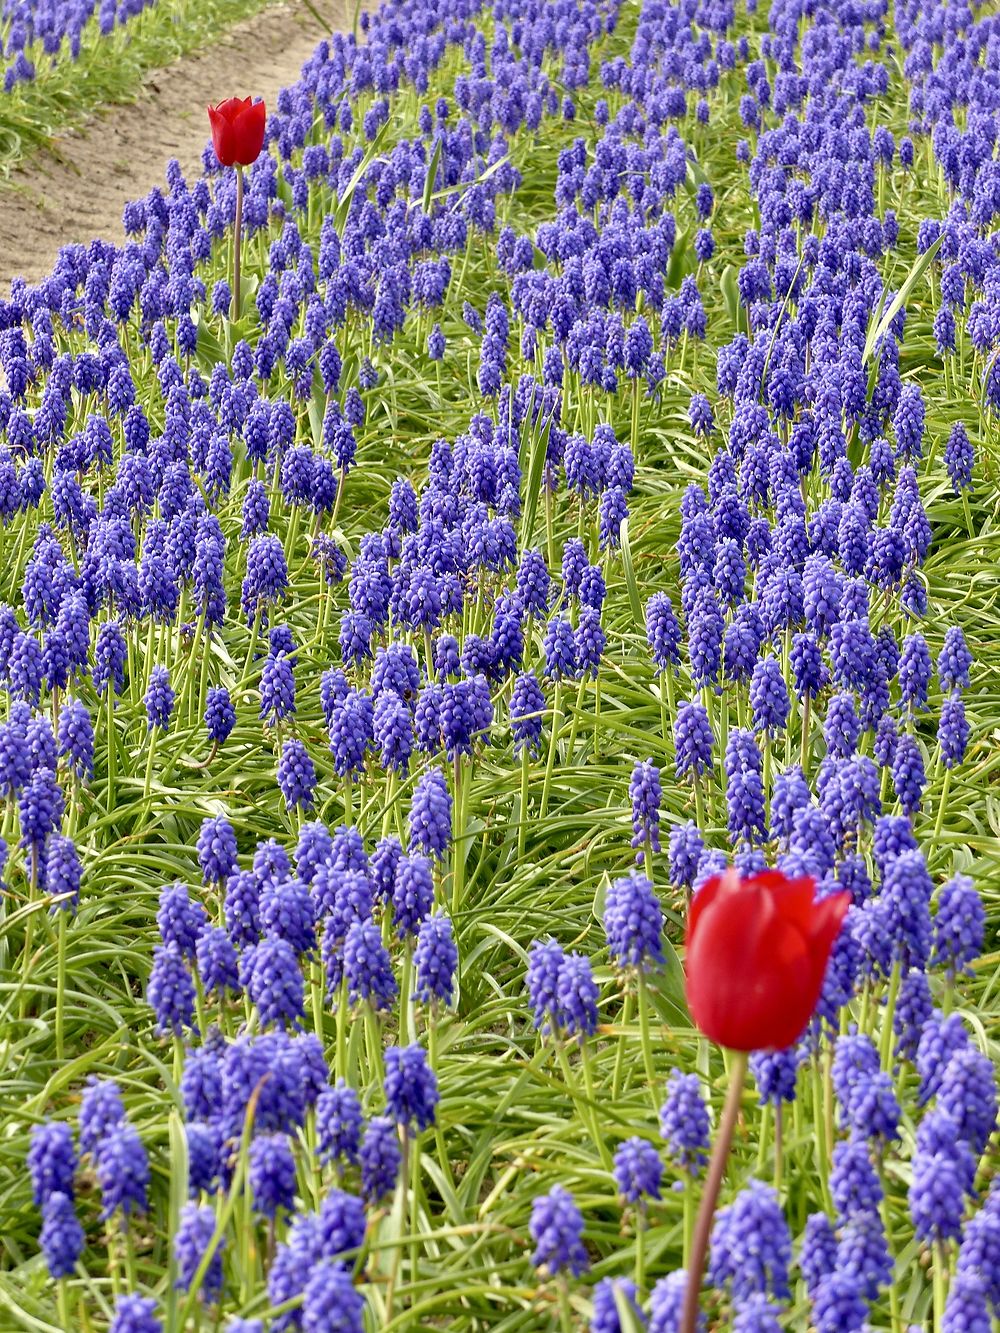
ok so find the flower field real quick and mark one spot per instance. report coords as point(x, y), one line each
point(499, 690)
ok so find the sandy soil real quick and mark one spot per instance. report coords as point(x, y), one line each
point(77, 190)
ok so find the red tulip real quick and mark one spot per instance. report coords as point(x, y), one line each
point(237, 131)
point(757, 951)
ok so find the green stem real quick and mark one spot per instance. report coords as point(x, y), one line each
point(779, 1143)
point(29, 926)
point(150, 754)
point(522, 816)
point(112, 744)
point(318, 982)
point(939, 1265)
point(237, 238)
point(62, 1298)
point(687, 1218)
point(895, 1322)
point(822, 1149)
point(646, 1040)
point(804, 751)
point(887, 1017)
point(457, 840)
point(61, 979)
point(942, 805)
point(764, 1135)
point(399, 1212)
point(341, 1061)
point(550, 762)
point(414, 1211)
point(616, 1082)
point(565, 1312)
point(405, 987)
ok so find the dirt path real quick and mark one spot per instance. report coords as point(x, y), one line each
point(77, 191)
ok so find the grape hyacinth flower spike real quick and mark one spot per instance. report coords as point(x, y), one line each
point(633, 924)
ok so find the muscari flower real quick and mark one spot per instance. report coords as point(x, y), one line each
point(122, 1171)
point(430, 815)
point(943, 1172)
point(367, 966)
point(380, 1157)
point(410, 1087)
point(159, 698)
point(100, 1110)
point(51, 1160)
point(959, 926)
point(135, 1314)
point(274, 983)
point(171, 992)
point(633, 922)
point(684, 1122)
point(62, 1237)
point(272, 1174)
point(645, 792)
point(220, 716)
point(435, 959)
point(751, 1249)
point(556, 1228)
point(338, 1123)
point(296, 775)
point(637, 1171)
point(195, 1232)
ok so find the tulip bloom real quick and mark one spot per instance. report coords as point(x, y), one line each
point(757, 951)
point(237, 137)
point(237, 131)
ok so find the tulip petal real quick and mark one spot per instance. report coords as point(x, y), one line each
point(795, 898)
point(756, 959)
point(232, 107)
point(249, 130)
point(727, 882)
point(222, 137)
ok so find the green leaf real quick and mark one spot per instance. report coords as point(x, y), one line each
point(600, 895)
point(681, 260)
point(344, 200)
point(208, 349)
point(317, 408)
point(285, 192)
point(464, 185)
point(432, 171)
point(730, 292)
point(665, 988)
point(627, 1321)
point(879, 327)
point(694, 176)
point(539, 443)
point(635, 601)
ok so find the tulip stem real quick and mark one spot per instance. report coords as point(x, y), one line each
point(237, 237)
point(710, 1194)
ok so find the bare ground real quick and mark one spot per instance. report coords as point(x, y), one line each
point(76, 190)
